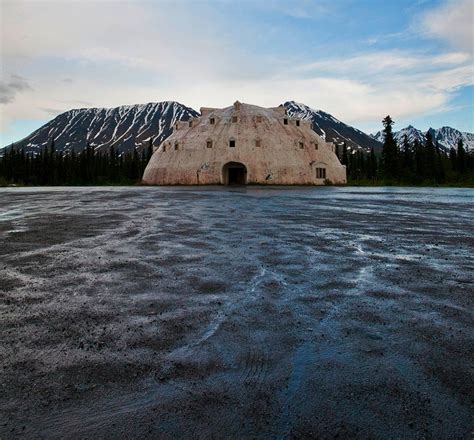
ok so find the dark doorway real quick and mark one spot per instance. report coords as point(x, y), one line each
point(234, 173)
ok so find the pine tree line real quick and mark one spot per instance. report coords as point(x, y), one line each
point(89, 167)
point(411, 164)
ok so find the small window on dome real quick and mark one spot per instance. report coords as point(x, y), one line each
point(190, 123)
point(258, 143)
point(209, 143)
point(320, 173)
point(285, 121)
point(164, 147)
point(234, 119)
point(176, 145)
point(258, 119)
point(232, 143)
point(301, 144)
point(315, 145)
point(212, 121)
point(297, 122)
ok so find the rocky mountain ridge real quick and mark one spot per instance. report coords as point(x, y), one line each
point(447, 137)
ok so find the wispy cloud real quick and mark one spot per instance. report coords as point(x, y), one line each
point(453, 22)
point(50, 111)
point(369, 64)
point(402, 83)
point(11, 87)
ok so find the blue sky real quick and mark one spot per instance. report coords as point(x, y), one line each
point(358, 60)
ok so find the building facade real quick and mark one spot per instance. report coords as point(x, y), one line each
point(244, 144)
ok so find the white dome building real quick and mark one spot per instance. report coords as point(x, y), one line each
point(244, 144)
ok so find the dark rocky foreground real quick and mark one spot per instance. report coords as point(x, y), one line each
point(247, 313)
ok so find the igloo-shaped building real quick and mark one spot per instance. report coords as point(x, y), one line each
point(244, 144)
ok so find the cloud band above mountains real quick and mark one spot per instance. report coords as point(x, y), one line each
point(114, 53)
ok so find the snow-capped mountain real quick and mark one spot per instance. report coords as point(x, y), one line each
point(125, 127)
point(410, 132)
point(131, 126)
point(447, 137)
point(331, 128)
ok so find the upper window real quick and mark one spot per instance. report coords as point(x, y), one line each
point(176, 145)
point(315, 145)
point(258, 143)
point(234, 119)
point(176, 126)
point(190, 123)
point(212, 121)
point(297, 122)
point(320, 173)
point(209, 143)
point(232, 143)
point(301, 144)
point(164, 147)
point(285, 121)
point(258, 119)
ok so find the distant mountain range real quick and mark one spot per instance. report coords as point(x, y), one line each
point(131, 126)
point(447, 137)
point(125, 127)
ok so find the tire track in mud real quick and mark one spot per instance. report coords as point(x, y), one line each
point(101, 413)
point(254, 369)
point(305, 356)
point(231, 306)
point(249, 375)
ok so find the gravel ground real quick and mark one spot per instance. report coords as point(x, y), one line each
point(270, 313)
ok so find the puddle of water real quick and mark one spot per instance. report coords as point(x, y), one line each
point(12, 214)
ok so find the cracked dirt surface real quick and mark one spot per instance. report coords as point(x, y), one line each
point(236, 313)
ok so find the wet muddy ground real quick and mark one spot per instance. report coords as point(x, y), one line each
point(267, 313)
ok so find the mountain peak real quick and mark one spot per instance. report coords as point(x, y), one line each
point(447, 137)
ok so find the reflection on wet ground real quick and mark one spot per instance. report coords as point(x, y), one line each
point(236, 313)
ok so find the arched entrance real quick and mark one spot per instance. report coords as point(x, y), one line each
point(234, 173)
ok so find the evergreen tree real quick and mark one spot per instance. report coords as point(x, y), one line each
point(390, 160)
point(429, 156)
point(372, 165)
point(150, 150)
point(112, 164)
point(419, 160)
point(345, 159)
point(461, 157)
point(453, 158)
point(407, 159)
point(53, 164)
point(438, 165)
